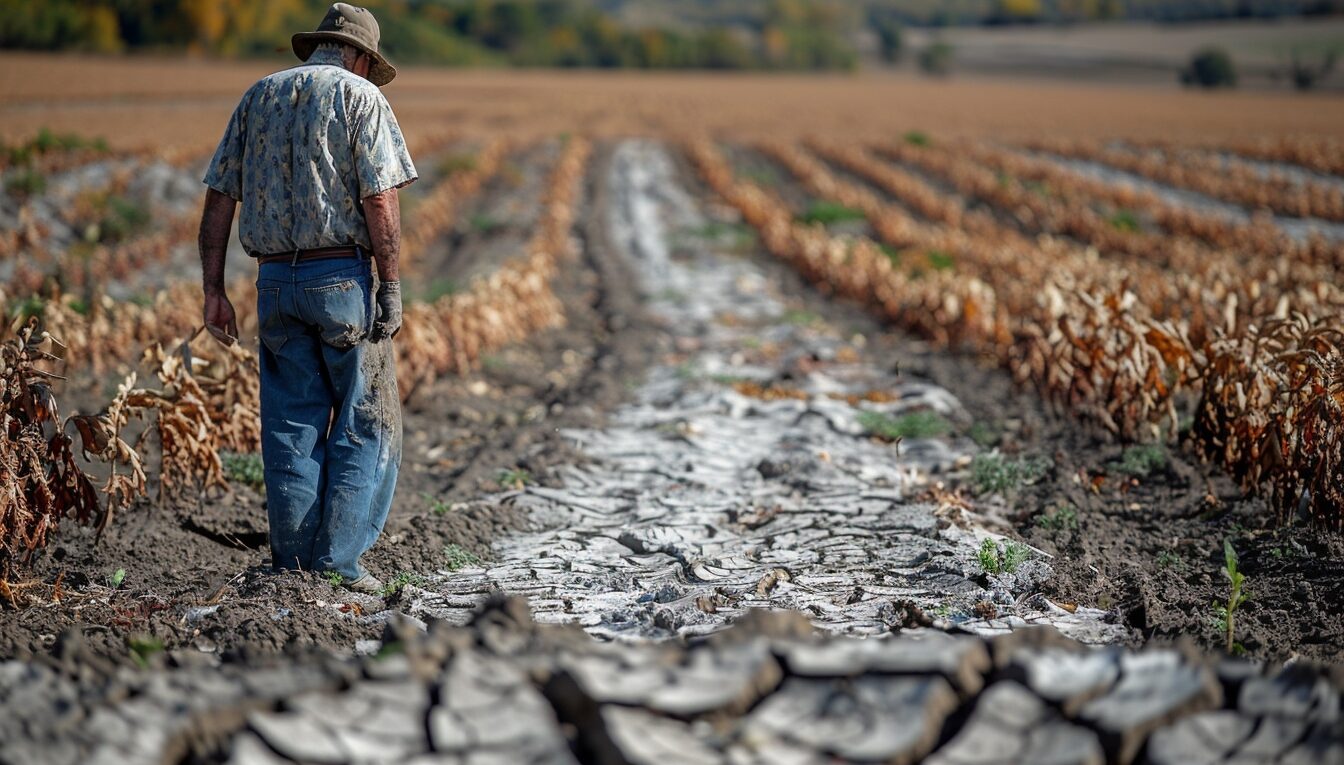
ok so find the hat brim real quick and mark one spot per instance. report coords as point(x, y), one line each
point(380, 71)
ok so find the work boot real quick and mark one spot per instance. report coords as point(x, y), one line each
point(366, 585)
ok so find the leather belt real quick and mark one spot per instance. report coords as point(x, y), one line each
point(317, 253)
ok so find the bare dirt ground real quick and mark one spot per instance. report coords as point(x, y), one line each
point(139, 102)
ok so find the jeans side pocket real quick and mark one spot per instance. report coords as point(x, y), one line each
point(271, 321)
point(340, 312)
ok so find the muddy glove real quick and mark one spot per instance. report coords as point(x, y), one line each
point(388, 323)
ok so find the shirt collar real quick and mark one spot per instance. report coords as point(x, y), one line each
point(330, 57)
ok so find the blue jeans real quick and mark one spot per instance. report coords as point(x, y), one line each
point(330, 414)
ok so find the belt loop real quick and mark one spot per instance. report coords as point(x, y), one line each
point(295, 262)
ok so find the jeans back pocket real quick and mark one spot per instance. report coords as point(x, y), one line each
point(340, 312)
point(270, 319)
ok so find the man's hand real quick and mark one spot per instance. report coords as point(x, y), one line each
point(220, 318)
point(388, 323)
point(216, 220)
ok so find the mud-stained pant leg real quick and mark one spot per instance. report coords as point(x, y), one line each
point(382, 401)
point(295, 411)
point(360, 465)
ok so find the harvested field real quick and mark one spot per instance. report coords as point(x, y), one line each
point(139, 104)
point(747, 420)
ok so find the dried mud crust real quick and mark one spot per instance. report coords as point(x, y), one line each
point(1148, 547)
point(768, 690)
point(192, 577)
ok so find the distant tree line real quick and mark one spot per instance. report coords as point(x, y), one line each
point(788, 34)
point(642, 34)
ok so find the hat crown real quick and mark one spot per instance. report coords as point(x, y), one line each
point(351, 25)
point(351, 20)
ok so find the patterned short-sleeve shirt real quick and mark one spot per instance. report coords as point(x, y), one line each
point(301, 151)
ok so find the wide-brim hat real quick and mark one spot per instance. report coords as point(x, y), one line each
point(352, 25)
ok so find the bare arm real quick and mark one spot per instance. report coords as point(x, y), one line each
point(216, 222)
point(382, 213)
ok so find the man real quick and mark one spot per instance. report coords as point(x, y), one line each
point(315, 156)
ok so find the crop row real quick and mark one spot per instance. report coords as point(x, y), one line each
point(1231, 181)
point(1085, 339)
point(1058, 196)
point(1173, 280)
point(1318, 154)
point(1259, 236)
point(436, 211)
point(450, 334)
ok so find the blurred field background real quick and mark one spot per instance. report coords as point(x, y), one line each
point(165, 74)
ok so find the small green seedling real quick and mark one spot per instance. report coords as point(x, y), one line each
point(1063, 518)
point(828, 213)
point(994, 473)
point(436, 505)
point(1143, 460)
point(1170, 559)
point(458, 557)
point(26, 182)
point(117, 578)
point(800, 317)
point(143, 648)
point(484, 224)
point(1001, 560)
point(515, 478)
point(27, 307)
point(922, 424)
point(334, 579)
point(1124, 220)
point(983, 434)
point(762, 175)
point(1014, 555)
point(400, 581)
point(917, 138)
point(940, 261)
point(245, 469)
point(438, 288)
point(1236, 595)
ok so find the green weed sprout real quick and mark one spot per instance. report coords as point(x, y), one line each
point(1236, 595)
point(516, 478)
point(1063, 518)
point(1005, 560)
point(922, 424)
point(401, 580)
point(144, 647)
point(456, 556)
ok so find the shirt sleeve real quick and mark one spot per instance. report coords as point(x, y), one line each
point(225, 173)
point(382, 161)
